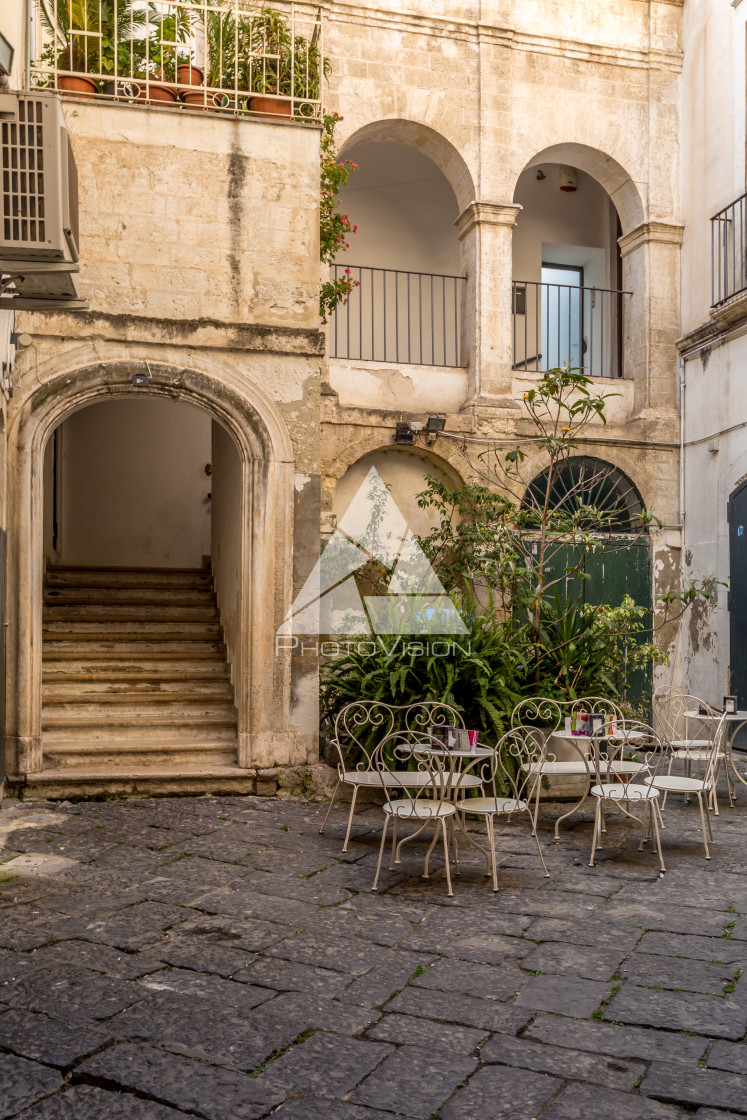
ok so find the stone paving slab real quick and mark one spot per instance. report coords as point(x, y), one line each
point(618, 1040)
point(520, 1053)
point(213, 1093)
point(22, 1083)
point(46, 1040)
point(581, 1102)
point(714, 1016)
point(85, 1102)
point(714, 1088)
point(280, 985)
point(414, 1081)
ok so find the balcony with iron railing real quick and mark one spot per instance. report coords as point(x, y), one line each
point(230, 57)
point(416, 319)
point(729, 251)
point(562, 324)
point(412, 318)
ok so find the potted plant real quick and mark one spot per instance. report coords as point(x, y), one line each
point(88, 39)
point(278, 66)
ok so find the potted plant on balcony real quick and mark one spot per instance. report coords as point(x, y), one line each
point(277, 66)
point(89, 39)
point(167, 55)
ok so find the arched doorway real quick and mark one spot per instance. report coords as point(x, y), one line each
point(139, 645)
point(252, 463)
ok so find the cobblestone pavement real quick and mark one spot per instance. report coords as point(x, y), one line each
point(217, 957)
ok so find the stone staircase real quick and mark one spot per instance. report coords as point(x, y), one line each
point(136, 690)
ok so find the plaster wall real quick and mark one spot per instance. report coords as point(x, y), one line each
point(133, 488)
point(713, 143)
point(185, 216)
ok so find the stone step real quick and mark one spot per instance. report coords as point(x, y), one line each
point(153, 578)
point(181, 707)
point(73, 753)
point(114, 613)
point(66, 691)
point(176, 597)
point(151, 646)
point(155, 728)
point(138, 781)
point(87, 655)
point(123, 671)
point(126, 629)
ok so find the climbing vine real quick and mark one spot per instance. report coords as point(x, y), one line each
point(335, 227)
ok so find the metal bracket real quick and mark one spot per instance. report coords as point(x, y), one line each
point(21, 303)
point(28, 268)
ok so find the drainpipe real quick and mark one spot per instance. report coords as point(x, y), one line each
point(27, 44)
point(682, 446)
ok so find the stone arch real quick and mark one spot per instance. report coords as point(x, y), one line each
point(410, 459)
point(586, 479)
point(265, 453)
point(610, 174)
point(426, 140)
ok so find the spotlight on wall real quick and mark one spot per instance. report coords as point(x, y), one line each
point(434, 425)
point(403, 433)
point(568, 179)
point(140, 381)
point(540, 175)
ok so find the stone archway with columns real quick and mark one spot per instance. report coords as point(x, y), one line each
point(262, 693)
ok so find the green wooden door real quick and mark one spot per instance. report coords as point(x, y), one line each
point(624, 570)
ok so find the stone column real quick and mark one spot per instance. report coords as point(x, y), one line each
point(651, 272)
point(486, 233)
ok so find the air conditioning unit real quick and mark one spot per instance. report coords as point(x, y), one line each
point(38, 205)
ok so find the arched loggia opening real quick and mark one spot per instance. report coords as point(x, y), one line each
point(406, 254)
point(249, 559)
point(570, 303)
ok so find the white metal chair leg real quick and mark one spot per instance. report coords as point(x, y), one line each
point(542, 858)
point(431, 846)
point(708, 822)
point(329, 809)
point(446, 853)
point(381, 852)
point(394, 844)
point(657, 840)
point(703, 825)
point(595, 832)
point(491, 840)
point(350, 818)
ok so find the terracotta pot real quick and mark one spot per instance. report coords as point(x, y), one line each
point(271, 107)
point(77, 84)
point(188, 75)
point(200, 100)
point(155, 92)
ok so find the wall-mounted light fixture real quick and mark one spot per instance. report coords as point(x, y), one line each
point(434, 425)
point(403, 433)
point(140, 381)
point(540, 175)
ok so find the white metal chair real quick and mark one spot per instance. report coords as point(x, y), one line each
point(703, 787)
point(363, 724)
point(624, 767)
point(511, 780)
point(549, 715)
point(678, 717)
point(431, 800)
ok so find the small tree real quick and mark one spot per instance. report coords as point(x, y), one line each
point(509, 533)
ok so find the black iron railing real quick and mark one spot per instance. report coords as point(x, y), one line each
point(728, 247)
point(560, 324)
point(414, 318)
